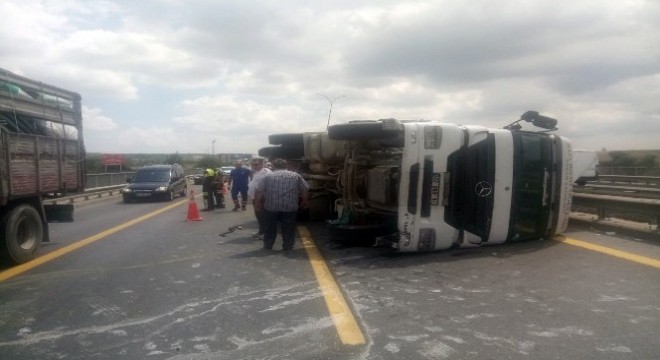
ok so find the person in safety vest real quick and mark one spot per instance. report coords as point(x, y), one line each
point(209, 187)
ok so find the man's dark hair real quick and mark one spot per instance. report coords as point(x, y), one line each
point(279, 164)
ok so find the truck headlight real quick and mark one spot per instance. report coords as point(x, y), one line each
point(126, 190)
point(161, 189)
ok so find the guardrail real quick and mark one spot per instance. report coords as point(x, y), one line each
point(641, 210)
point(630, 179)
point(94, 181)
point(95, 193)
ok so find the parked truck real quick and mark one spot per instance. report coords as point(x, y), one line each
point(585, 166)
point(425, 185)
point(41, 153)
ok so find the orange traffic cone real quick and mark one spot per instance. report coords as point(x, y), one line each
point(193, 212)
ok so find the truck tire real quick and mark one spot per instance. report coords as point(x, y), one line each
point(290, 139)
point(363, 130)
point(22, 233)
point(283, 152)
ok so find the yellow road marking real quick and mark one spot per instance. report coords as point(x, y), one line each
point(19, 269)
point(612, 252)
point(345, 323)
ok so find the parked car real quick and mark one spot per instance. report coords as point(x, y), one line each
point(162, 182)
point(227, 169)
point(197, 176)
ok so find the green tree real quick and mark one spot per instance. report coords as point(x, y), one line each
point(647, 161)
point(175, 158)
point(620, 159)
point(93, 164)
point(208, 161)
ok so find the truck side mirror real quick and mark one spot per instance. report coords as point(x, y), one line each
point(128, 180)
point(545, 122)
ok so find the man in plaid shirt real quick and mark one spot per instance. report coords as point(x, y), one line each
point(278, 194)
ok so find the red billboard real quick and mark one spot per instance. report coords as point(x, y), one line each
point(112, 159)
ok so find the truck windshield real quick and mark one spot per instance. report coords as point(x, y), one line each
point(152, 176)
point(533, 164)
point(472, 176)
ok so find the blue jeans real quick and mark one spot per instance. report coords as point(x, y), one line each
point(287, 219)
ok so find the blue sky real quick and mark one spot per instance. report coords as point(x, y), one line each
point(161, 76)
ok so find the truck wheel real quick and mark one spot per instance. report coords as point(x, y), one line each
point(365, 130)
point(284, 152)
point(290, 139)
point(22, 234)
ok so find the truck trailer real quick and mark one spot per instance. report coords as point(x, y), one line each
point(41, 153)
point(425, 185)
point(585, 166)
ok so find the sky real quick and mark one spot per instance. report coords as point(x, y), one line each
point(166, 76)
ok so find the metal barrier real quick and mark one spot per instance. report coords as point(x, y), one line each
point(605, 206)
point(630, 179)
point(89, 194)
point(106, 179)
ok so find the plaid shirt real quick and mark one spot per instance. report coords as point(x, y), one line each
point(282, 190)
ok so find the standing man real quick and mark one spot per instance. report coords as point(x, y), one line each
point(258, 172)
point(239, 178)
point(208, 189)
point(279, 193)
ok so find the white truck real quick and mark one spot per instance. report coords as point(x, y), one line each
point(41, 153)
point(585, 166)
point(431, 186)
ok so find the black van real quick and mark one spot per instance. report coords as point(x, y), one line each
point(162, 182)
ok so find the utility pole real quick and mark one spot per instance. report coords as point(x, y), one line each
point(213, 147)
point(331, 102)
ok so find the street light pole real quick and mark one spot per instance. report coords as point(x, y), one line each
point(331, 102)
point(213, 147)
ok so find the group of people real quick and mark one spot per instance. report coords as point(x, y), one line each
point(276, 195)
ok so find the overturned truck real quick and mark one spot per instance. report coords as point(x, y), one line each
point(426, 185)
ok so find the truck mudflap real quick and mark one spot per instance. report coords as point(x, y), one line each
point(59, 212)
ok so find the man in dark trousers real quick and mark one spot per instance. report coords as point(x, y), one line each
point(209, 188)
point(239, 177)
point(280, 192)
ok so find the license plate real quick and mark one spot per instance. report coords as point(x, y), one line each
point(435, 189)
point(143, 194)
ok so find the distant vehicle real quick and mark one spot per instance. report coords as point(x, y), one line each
point(162, 182)
point(197, 176)
point(41, 142)
point(227, 169)
point(585, 166)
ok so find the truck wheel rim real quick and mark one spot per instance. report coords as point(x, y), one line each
point(25, 234)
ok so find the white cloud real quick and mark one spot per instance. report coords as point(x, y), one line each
point(94, 120)
point(180, 74)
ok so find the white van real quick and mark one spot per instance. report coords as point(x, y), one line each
point(585, 166)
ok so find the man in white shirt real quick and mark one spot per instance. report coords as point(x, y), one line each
point(258, 172)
